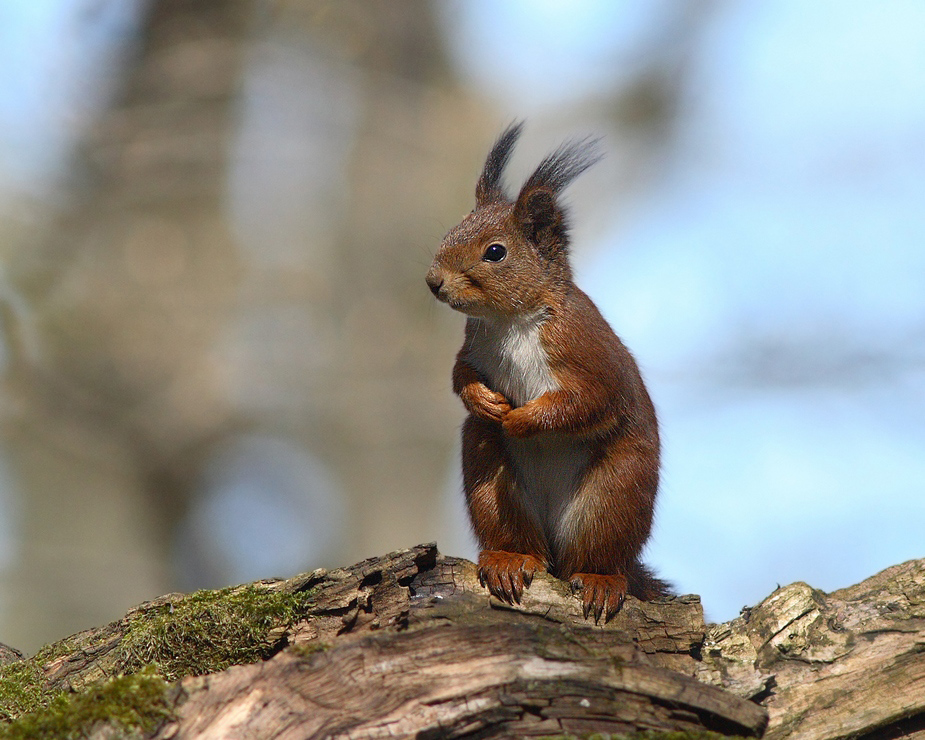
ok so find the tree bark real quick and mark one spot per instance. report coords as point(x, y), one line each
point(410, 644)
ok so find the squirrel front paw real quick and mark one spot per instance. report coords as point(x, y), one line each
point(519, 423)
point(507, 574)
point(601, 595)
point(485, 403)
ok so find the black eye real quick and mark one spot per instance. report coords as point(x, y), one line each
point(494, 253)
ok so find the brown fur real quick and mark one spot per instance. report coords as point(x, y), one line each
point(592, 527)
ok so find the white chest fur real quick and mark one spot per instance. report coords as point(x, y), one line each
point(511, 356)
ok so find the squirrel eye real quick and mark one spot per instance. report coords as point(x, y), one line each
point(494, 253)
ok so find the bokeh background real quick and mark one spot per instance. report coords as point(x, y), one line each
point(220, 361)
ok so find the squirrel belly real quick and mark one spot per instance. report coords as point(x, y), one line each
point(548, 467)
point(560, 449)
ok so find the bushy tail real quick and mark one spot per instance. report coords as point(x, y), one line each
point(645, 585)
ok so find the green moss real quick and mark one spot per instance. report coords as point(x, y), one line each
point(199, 633)
point(208, 631)
point(21, 689)
point(23, 686)
point(134, 704)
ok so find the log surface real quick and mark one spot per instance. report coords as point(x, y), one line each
point(841, 665)
point(410, 644)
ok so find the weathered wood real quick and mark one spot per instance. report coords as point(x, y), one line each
point(514, 678)
point(421, 649)
point(391, 591)
point(411, 645)
point(841, 665)
point(9, 655)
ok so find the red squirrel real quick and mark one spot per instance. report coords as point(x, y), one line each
point(560, 450)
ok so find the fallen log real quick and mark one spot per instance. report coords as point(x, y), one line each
point(410, 644)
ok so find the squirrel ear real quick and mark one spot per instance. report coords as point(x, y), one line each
point(537, 209)
point(540, 218)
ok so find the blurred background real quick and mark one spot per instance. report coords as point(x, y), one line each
point(221, 363)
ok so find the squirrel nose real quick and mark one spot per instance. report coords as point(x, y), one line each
point(434, 282)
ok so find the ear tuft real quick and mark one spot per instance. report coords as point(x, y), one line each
point(488, 188)
point(558, 169)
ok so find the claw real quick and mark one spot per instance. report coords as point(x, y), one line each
point(506, 574)
point(599, 602)
point(602, 595)
point(517, 584)
point(507, 588)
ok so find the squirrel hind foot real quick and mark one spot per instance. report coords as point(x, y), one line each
point(601, 595)
point(507, 574)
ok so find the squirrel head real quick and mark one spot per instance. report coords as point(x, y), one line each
point(507, 258)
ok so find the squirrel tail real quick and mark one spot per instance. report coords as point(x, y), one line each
point(645, 585)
